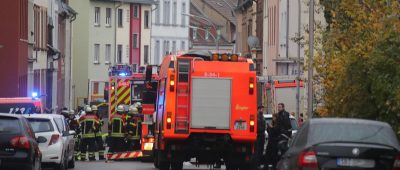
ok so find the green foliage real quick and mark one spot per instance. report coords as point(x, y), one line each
point(359, 62)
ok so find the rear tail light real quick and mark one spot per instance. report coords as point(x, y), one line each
point(172, 83)
point(20, 142)
point(308, 159)
point(396, 164)
point(169, 120)
point(54, 139)
point(251, 85)
point(252, 123)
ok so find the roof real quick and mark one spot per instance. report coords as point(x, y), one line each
point(224, 7)
point(132, 1)
point(10, 115)
point(48, 116)
point(347, 121)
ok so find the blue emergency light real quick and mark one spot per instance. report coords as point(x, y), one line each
point(34, 95)
point(123, 74)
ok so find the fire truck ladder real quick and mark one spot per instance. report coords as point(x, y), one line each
point(183, 97)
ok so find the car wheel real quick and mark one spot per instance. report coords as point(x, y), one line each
point(62, 165)
point(71, 163)
point(177, 165)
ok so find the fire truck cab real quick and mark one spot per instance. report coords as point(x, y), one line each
point(21, 105)
point(126, 88)
point(206, 109)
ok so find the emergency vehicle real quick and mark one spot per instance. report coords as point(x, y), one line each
point(21, 105)
point(206, 109)
point(283, 89)
point(126, 88)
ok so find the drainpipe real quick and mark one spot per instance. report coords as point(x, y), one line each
point(298, 64)
point(287, 33)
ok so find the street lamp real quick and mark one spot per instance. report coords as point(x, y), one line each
point(212, 24)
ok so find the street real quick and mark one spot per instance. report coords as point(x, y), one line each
point(125, 165)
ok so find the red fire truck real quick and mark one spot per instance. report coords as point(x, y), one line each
point(21, 105)
point(126, 88)
point(206, 109)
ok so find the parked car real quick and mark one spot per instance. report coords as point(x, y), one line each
point(58, 152)
point(293, 121)
point(334, 143)
point(18, 146)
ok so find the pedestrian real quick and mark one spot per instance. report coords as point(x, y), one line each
point(301, 119)
point(74, 125)
point(271, 154)
point(285, 128)
point(98, 135)
point(293, 114)
point(116, 130)
point(89, 125)
point(261, 125)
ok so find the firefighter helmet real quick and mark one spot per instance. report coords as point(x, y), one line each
point(65, 111)
point(138, 104)
point(120, 108)
point(88, 109)
point(133, 109)
point(72, 112)
point(94, 108)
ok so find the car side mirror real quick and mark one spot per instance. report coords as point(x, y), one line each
point(41, 139)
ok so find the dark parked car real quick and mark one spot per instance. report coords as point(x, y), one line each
point(18, 146)
point(333, 143)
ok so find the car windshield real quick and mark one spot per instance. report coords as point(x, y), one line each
point(9, 125)
point(292, 121)
point(354, 132)
point(41, 125)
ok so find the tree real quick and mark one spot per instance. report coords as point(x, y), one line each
point(359, 62)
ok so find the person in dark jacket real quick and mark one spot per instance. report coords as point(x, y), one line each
point(271, 156)
point(261, 125)
point(285, 129)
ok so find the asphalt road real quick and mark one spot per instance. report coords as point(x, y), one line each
point(125, 165)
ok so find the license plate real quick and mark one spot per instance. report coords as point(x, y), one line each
point(361, 163)
point(240, 126)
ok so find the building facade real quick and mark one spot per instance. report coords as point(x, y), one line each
point(212, 25)
point(14, 47)
point(39, 61)
point(112, 36)
point(170, 31)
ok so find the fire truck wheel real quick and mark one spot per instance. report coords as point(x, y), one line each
point(164, 165)
point(155, 161)
point(229, 166)
point(177, 165)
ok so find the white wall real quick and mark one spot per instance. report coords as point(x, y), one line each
point(123, 32)
point(164, 32)
point(145, 33)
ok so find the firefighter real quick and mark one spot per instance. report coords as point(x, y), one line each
point(116, 130)
point(74, 125)
point(89, 125)
point(98, 135)
point(132, 128)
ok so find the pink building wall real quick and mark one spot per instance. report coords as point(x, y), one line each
point(135, 28)
point(273, 36)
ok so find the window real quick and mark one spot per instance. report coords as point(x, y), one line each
point(157, 52)
point(183, 12)
point(59, 124)
point(135, 40)
point(207, 36)
point(146, 19)
point(119, 54)
point(194, 33)
point(136, 11)
point(95, 87)
point(96, 53)
point(166, 48)
point(120, 16)
point(174, 13)
point(108, 53)
point(108, 16)
point(183, 45)
point(173, 46)
point(9, 125)
point(146, 54)
point(158, 13)
point(166, 12)
point(97, 16)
